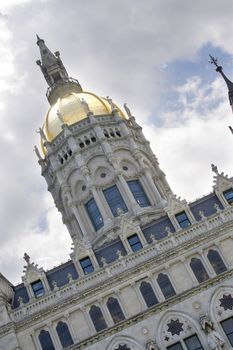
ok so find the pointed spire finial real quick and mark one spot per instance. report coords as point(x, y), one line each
point(55, 73)
point(38, 39)
point(227, 81)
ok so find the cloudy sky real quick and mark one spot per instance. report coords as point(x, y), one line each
point(152, 54)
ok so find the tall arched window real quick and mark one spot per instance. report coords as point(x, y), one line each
point(148, 294)
point(190, 343)
point(97, 318)
point(64, 334)
point(115, 310)
point(165, 286)
point(216, 261)
point(138, 193)
point(115, 200)
point(199, 270)
point(45, 340)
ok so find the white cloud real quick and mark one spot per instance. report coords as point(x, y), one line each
point(118, 51)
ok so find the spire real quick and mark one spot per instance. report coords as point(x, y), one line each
point(227, 81)
point(55, 73)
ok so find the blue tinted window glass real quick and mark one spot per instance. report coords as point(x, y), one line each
point(229, 195)
point(134, 242)
point(115, 200)
point(64, 334)
point(182, 219)
point(38, 288)
point(216, 261)
point(199, 270)
point(165, 286)
point(97, 318)
point(86, 265)
point(176, 346)
point(227, 326)
point(138, 193)
point(46, 341)
point(115, 310)
point(193, 343)
point(94, 214)
point(148, 294)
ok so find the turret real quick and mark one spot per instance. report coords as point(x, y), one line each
point(55, 74)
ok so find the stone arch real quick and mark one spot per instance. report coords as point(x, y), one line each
point(103, 175)
point(131, 343)
point(184, 324)
point(222, 296)
point(128, 167)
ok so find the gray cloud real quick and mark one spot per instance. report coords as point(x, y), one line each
point(113, 48)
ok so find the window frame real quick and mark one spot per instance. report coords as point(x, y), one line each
point(227, 334)
point(172, 288)
point(114, 315)
point(46, 343)
point(184, 222)
point(212, 262)
point(145, 295)
point(225, 193)
point(198, 270)
point(102, 318)
point(61, 322)
point(108, 193)
point(92, 214)
point(133, 245)
point(85, 268)
point(139, 193)
point(35, 291)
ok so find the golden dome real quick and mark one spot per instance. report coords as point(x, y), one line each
point(72, 111)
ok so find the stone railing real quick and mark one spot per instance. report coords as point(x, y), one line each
point(157, 248)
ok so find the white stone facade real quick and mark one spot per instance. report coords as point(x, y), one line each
point(84, 160)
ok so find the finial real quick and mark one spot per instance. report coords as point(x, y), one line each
point(35, 149)
point(127, 110)
point(231, 129)
point(214, 61)
point(85, 106)
point(26, 258)
point(110, 102)
point(38, 39)
point(42, 134)
point(214, 168)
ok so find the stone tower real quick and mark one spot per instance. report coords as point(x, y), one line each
point(148, 271)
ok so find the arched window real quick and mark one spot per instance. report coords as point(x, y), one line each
point(165, 286)
point(199, 270)
point(115, 310)
point(216, 261)
point(190, 343)
point(148, 294)
point(64, 334)
point(138, 193)
point(94, 214)
point(115, 200)
point(227, 326)
point(45, 340)
point(97, 318)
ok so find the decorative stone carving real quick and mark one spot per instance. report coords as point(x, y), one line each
point(129, 114)
point(151, 345)
point(214, 339)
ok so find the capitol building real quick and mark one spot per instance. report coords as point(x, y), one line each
point(148, 271)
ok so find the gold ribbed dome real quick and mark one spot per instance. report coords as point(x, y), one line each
point(72, 111)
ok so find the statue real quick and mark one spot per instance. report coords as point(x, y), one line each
point(85, 106)
point(111, 103)
point(26, 258)
point(214, 168)
point(129, 114)
point(214, 339)
point(37, 152)
point(151, 345)
point(42, 134)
